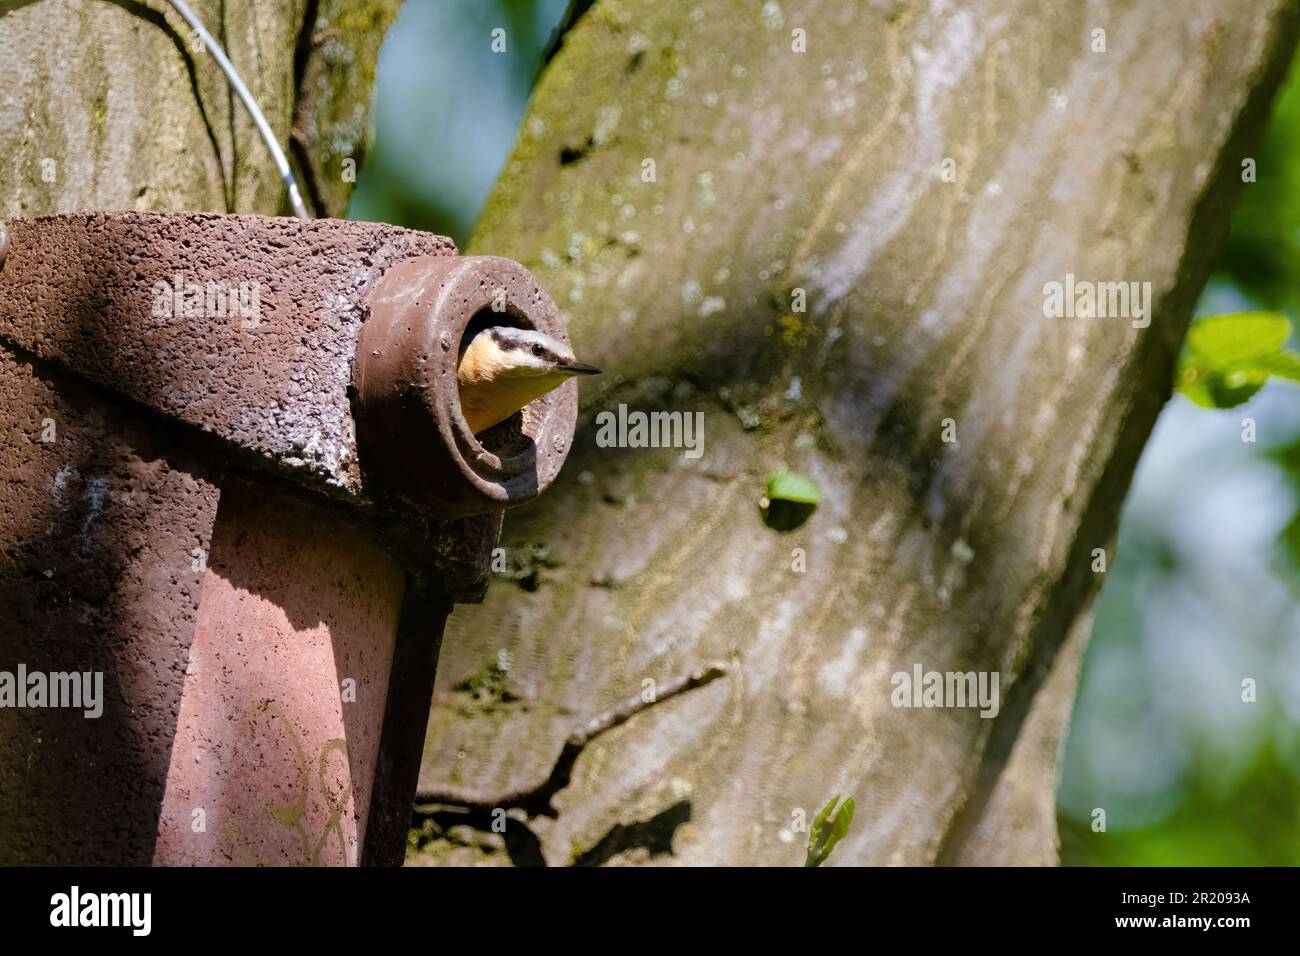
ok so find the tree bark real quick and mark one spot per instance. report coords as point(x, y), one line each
point(824, 171)
point(113, 104)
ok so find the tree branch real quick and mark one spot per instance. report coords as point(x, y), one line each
point(536, 801)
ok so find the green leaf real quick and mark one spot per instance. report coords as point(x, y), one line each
point(1230, 357)
point(1281, 365)
point(1222, 340)
point(820, 820)
point(787, 486)
point(841, 826)
point(1215, 389)
point(828, 828)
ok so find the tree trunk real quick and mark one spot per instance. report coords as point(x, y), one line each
point(115, 105)
point(972, 453)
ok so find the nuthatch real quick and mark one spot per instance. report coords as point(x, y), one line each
point(502, 369)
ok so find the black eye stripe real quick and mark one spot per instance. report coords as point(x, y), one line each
point(508, 343)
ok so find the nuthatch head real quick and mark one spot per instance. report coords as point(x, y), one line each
point(502, 369)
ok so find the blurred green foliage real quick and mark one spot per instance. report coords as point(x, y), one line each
point(447, 108)
point(1287, 458)
point(1263, 253)
point(1256, 823)
point(1189, 766)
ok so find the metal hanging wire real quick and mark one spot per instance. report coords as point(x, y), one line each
point(263, 128)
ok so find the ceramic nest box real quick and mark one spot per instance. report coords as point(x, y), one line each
point(237, 491)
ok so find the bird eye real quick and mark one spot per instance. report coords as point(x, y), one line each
point(538, 350)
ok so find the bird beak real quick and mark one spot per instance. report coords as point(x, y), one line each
point(579, 368)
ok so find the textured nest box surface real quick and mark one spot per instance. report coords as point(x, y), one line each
point(247, 327)
point(270, 375)
point(184, 512)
